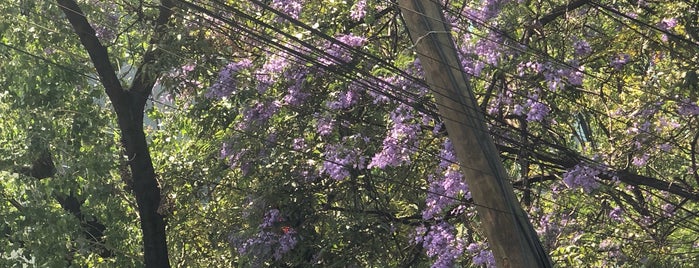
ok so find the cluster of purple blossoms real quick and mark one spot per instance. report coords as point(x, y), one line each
point(440, 241)
point(396, 85)
point(269, 73)
point(495, 105)
point(386, 87)
point(289, 7)
point(447, 155)
point(616, 214)
point(474, 56)
point(665, 147)
point(471, 64)
point(641, 128)
point(338, 160)
point(640, 160)
point(667, 24)
point(535, 110)
point(548, 230)
point(555, 77)
point(382, 97)
point(488, 10)
point(187, 68)
point(415, 70)
point(617, 62)
point(687, 108)
point(446, 186)
point(664, 122)
point(581, 48)
point(295, 95)
point(268, 241)
point(345, 99)
point(444, 191)
point(104, 33)
point(226, 150)
point(504, 98)
point(486, 51)
point(358, 10)
point(338, 54)
point(237, 159)
point(575, 74)
point(529, 68)
point(324, 124)
point(490, 48)
point(401, 141)
point(226, 84)
point(271, 217)
point(481, 254)
point(668, 209)
point(351, 40)
point(299, 144)
point(582, 176)
point(258, 113)
point(287, 242)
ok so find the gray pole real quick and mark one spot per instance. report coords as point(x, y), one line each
point(510, 234)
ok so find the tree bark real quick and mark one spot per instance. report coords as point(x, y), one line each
point(511, 236)
point(129, 107)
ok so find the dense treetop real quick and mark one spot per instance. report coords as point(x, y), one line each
point(298, 133)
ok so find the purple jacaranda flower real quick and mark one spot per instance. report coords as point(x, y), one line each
point(358, 10)
point(581, 48)
point(640, 160)
point(289, 7)
point(667, 24)
point(400, 142)
point(537, 111)
point(582, 176)
point(440, 242)
point(481, 255)
point(618, 61)
point(616, 214)
point(687, 108)
point(325, 125)
point(226, 84)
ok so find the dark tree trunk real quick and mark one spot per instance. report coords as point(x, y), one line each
point(145, 187)
point(129, 105)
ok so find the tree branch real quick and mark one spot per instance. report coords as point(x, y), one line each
point(553, 15)
point(98, 53)
point(560, 11)
point(43, 167)
point(143, 80)
point(413, 220)
point(570, 159)
point(542, 178)
point(639, 180)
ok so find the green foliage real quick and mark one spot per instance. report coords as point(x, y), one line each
point(51, 102)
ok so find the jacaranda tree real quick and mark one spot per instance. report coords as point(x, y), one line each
point(302, 133)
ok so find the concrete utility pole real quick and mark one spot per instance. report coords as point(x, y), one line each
point(510, 234)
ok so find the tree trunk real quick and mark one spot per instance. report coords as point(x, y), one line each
point(129, 105)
